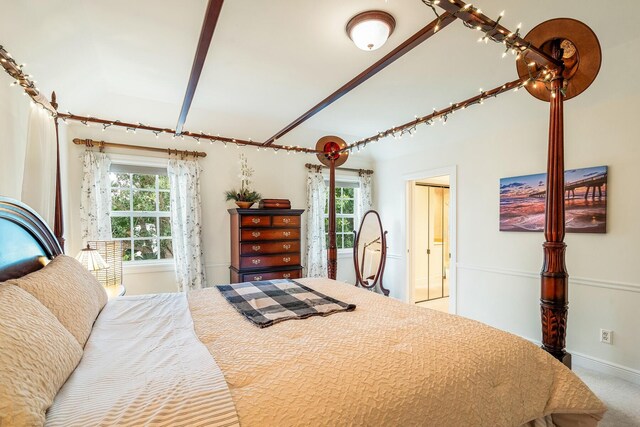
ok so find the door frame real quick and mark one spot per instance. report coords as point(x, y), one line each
point(415, 186)
point(410, 179)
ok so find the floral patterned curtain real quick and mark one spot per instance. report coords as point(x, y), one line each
point(95, 198)
point(366, 197)
point(186, 222)
point(316, 243)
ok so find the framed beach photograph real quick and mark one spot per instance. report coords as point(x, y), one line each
point(522, 201)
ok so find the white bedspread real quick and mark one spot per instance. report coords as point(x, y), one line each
point(144, 365)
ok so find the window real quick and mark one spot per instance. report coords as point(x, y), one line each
point(347, 215)
point(140, 212)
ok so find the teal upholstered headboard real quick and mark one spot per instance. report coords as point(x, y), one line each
point(24, 240)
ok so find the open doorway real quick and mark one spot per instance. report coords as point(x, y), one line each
point(431, 218)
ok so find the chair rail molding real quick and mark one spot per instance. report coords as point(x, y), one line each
point(582, 281)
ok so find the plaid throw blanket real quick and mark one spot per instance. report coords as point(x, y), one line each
point(271, 301)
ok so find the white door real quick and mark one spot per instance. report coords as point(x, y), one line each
point(421, 242)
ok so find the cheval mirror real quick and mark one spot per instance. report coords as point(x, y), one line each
point(370, 253)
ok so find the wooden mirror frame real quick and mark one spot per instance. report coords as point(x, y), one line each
point(383, 256)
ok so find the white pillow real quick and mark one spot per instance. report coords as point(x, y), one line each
point(69, 291)
point(37, 355)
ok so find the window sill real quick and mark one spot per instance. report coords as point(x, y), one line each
point(345, 253)
point(137, 267)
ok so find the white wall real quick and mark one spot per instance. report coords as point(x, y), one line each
point(498, 272)
point(276, 176)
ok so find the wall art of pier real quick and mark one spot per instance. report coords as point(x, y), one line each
point(522, 201)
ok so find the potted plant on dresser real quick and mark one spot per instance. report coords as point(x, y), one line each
point(245, 197)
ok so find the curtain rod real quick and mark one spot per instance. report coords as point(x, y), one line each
point(169, 151)
point(317, 167)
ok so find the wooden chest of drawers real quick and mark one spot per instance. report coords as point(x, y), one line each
point(265, 244)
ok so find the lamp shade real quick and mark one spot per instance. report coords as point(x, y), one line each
point(91, 259)
point(111, 252)
point(370, 30)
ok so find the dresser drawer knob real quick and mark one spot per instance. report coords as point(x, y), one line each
point(286, 259)
point(286, 233)
point(286, 220)
point(256, 234)
point(285, 246)
point(286, 275)
point(257, 277)
point(255, 261)
point(256, 220)
point(255, 247)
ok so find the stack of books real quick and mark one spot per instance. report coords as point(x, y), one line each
point(275, 204)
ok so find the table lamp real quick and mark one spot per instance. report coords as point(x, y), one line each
point(91, 259)
point(111, 276)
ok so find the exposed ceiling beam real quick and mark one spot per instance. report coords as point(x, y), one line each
point(206, 34)
point(413, 41)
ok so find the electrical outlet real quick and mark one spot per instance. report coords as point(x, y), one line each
point(606, 336)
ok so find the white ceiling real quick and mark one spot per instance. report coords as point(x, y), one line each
point(268, 63)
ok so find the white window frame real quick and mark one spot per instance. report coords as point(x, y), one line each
point(357, 215)
point(127, 160)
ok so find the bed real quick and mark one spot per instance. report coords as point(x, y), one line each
point(191, 359)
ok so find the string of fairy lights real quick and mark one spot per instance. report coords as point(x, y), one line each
point(23, 80)
point(411, 128)
point(26, 82)
point(432, 5)
point(491, 30)
point(20, 79)
point(199, 137)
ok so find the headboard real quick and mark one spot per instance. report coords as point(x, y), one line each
point(24, 240)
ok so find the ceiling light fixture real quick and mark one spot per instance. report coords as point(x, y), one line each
point(370, 30)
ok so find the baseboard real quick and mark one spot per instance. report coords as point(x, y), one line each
point(599, 365)
point(609, 368)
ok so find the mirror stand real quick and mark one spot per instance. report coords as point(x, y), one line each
point(370, 253)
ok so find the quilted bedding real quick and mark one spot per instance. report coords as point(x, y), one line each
point(386, 364)
point(144, 366)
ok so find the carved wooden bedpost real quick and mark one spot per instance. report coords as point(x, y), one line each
point(574, 58)
point(332, 153)
point(555, 278)
point(332, 250)
point(58, 222)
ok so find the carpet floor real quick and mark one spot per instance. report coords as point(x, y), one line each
point(440, 304)
point(621, 397)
